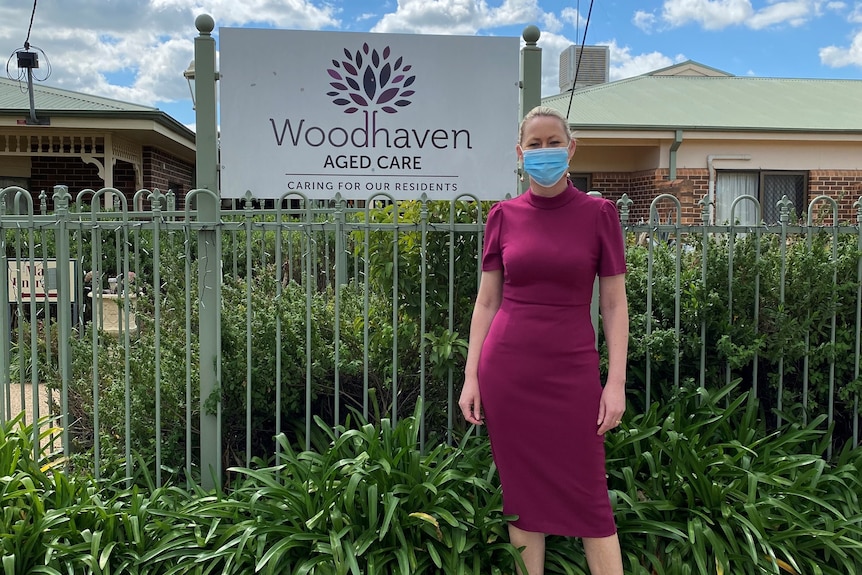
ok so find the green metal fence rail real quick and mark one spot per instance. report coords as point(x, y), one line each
point(347, 310)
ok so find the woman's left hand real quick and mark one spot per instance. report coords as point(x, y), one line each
point(611, 407)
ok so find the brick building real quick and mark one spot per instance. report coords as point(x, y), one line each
point(707, 138)
point(86, 142)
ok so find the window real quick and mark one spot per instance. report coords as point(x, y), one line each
point(23, 206)
point(767, 187)
point(6, 181)
point(581, 181)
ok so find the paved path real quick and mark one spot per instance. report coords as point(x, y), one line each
point(17, 394)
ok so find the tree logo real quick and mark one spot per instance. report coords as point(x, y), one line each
point(368, 79)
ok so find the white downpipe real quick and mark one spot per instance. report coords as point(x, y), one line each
point(710, 163)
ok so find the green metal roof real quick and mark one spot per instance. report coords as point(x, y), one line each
point(14, 100)
point(14, 96)
point(732, 103)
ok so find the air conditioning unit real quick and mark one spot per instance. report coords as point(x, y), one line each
point(594, 66)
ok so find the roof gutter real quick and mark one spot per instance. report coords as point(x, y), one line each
point(154, 115)
point(710, 163)
point(677, 142)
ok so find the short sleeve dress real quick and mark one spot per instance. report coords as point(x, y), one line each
point(539, 368)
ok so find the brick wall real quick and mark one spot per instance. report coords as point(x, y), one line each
point(641, 188)
point(692, 185)
point(125, 180)
point(47, 172)
point(698, 188)
point(844, 186)
point(161, 170)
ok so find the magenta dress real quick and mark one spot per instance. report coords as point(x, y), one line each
point(539, 369)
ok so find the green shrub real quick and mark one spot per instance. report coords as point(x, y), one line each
point(787, 338)
point(725, 339)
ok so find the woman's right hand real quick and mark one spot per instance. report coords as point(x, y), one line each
point(470, 402)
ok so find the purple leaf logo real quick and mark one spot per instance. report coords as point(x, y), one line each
point(368, 79)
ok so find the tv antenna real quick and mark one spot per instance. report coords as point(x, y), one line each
point(27, 60)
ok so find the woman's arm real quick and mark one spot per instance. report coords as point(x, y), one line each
point(615, 324)
point(487, 303)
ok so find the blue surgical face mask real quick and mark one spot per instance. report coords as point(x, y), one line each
point(546, 166)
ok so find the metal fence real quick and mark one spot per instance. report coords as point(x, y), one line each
point(355, 310)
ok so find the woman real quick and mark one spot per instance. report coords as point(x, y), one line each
point(532, 373)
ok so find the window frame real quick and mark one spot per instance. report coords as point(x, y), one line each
point(587, 177)
point(799, 207)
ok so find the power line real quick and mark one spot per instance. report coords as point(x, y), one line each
point(581, 55)
point(30, 28)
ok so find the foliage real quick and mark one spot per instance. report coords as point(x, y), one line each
point(703, 486)
point(268, 343)
point(699, 485)
point(146, 391)
point(418, 348)
point(371, 504)
point(445, 261)
point(769, 323)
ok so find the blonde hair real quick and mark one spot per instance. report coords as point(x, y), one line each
point(544, 111)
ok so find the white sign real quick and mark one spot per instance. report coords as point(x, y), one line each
point(18, 275)
point(362, 114)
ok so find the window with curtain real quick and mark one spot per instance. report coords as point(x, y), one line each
point(767, 187)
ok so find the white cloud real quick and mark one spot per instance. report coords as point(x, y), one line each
point(792, 13)
point(302, 14)
point(624, 64)
point(135, 50)
point(551, 23)
point(516, 12)
point(856, 15)
point(837, 57)
point(552, 46)
point(719, 14)
point(711, 14)
point(457, 16)
point(644, 20)
point(571, 16)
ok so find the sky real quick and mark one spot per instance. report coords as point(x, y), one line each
point(136, 50)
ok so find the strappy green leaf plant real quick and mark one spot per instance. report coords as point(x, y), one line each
point(702, 484)
point(372, 503)
point(699, 485)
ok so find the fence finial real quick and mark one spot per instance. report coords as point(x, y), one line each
point(784, 206)
point(704, 204)
point(156, 199)
point(624, 205)
point(61, 198)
